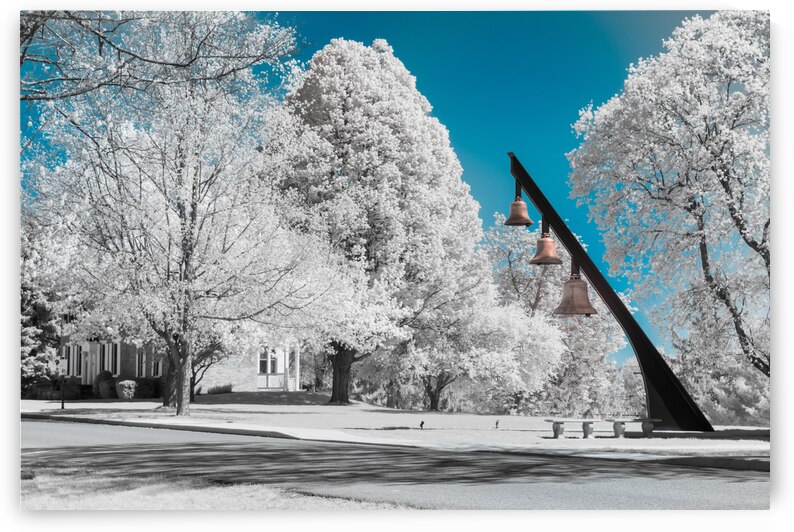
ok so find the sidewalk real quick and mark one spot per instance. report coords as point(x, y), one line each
point(292, 416)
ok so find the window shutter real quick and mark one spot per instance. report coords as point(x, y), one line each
point(77, 365)
point(115, 359)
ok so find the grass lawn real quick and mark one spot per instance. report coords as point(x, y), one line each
point(307, 415)
point(92, 490)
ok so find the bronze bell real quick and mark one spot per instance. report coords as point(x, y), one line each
point(519, 214)
point(545, 249)
point(574, 298)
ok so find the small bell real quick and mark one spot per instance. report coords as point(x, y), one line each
point(518, 211)
point(546, 251)
point(574, 297)
point(546, 248)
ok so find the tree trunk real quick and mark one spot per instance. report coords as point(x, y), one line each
point(434, 391)
point(391, 400)
point(434, 399)
point(341, 362)
point(192, 387)
point(169, 389)
point(183, 381)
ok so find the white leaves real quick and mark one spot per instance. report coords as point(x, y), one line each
point(355, 142)
point(168, 220)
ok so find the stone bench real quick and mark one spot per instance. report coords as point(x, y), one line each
point(619, 425)
point(558, 425)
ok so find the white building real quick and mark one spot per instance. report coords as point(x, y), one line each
point(274, 367)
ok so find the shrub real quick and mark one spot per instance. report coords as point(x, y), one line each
point(100, 377)
point(225, 388)
point(43, 389)
point(71, 389)
point(145, 388)
point(126, 389)
point(107, 389)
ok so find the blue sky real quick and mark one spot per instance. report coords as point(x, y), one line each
point(510, 81)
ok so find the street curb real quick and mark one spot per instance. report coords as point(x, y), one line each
point(716, 462)
point(190, 428)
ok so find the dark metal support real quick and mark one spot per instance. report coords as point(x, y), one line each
point(666, 397)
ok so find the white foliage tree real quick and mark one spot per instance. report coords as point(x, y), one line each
point(40, 324)
point(675, 171)
point(358, 143)
point(469, 337)
point(167, 223)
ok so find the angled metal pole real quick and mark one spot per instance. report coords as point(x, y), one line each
point(666, 397)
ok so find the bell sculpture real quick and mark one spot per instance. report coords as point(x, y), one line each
point(545, 249)
point(574, 296)
point(518, 211)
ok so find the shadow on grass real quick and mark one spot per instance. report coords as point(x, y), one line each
point(127, 412)
point(284, 462)
point(724, 434)
point(263, 398)
point(233, 398)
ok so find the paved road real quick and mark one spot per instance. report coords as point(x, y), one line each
point(408, 476)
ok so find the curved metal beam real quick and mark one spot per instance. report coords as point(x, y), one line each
point(666, 397)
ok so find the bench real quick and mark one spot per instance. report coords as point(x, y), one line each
point(619, 425)
point(558, 425)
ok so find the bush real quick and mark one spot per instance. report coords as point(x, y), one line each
point(146, 387)
point(107, 389)
point(71, 389)
point(100, 377)
point(225, 388)
point(43, 390)
point(126, 389)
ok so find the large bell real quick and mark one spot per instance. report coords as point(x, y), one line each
point(574, 298)
point(519, 214)
point(545, 251)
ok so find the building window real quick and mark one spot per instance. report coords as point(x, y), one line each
point(109, 358)
point(140, 364)
point(157, 368)
point(114, 360)
point(268, 363)
point(76, 361)
point(264, 356)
